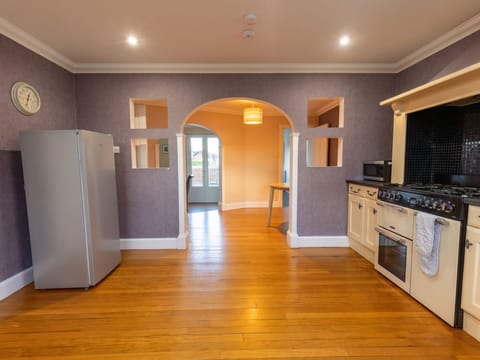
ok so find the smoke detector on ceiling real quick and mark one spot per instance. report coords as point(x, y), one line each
point(248, 33)
point(250, 18)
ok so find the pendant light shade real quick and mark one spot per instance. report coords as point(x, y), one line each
point(252, 115)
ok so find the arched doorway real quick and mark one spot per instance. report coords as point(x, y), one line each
point(253, 157)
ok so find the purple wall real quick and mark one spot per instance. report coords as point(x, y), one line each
point(453, 58)
point(148, 201)
point(57, 90)
point(15, 253)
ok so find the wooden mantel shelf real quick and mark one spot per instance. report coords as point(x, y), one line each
point(455, 86)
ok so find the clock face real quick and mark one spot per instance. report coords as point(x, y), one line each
point(25, 98)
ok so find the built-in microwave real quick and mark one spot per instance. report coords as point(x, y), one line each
point(378, 170)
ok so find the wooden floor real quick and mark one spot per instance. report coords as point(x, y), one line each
point(238, 292)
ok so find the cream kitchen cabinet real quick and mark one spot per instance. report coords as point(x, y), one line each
point(471, 275)
point(362, 213)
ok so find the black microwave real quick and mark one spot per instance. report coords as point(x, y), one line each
point(378, 170)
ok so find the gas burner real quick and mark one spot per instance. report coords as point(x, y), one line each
point(445, 189)
point(438, 199)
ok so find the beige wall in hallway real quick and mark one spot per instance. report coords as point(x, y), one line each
point(251, 155)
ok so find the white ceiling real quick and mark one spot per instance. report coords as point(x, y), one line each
point(206, 35)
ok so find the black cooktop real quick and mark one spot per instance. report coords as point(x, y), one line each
point(445, 189)
point(439, 199)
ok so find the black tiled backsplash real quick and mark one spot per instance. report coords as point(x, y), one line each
point(442, 140)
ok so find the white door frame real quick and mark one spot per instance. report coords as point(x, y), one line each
point(183, 235)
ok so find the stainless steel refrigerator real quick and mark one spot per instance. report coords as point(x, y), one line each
point(72, 206)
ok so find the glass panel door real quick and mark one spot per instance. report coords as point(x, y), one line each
point(203, 162)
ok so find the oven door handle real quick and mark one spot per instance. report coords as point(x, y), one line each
point(390, 235)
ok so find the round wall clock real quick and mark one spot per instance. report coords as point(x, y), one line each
point(25, 98)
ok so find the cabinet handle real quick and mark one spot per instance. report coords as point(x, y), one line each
point(468, 244)
point(374, 211)
point(371, 193)
point(359, 206)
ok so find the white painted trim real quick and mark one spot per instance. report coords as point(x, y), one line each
point(456, 34)
point(182, 194)
point(292, 235)
point(149, 243)
point(219, 68)
point(15, 283)
point(23, 38)
point(321, 241)
point(247, 205)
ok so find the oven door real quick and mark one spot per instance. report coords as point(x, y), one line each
point(393, 258)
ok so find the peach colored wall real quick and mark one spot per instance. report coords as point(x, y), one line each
point(250, 155)
point(157, 117)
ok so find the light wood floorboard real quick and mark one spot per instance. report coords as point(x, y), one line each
point(238, 292)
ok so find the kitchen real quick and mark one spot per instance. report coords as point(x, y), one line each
point(433, 171)
point(99, 102)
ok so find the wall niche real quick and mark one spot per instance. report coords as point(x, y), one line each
point(149, 153)
point(324, 151)
point(325, 112)
point(148, 114)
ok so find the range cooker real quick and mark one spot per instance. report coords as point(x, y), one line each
point(396, 258)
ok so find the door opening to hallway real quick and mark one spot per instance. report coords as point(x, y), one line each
point(204, 165)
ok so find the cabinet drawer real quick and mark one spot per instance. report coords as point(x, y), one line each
point(370, 192)
point(363, 191)
point(474, 216)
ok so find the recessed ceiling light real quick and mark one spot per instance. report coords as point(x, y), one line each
point(132, 40)
point(344, 40)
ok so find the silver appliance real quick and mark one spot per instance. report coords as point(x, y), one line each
point(72, 206)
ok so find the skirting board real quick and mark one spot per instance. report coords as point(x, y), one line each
point(318, 241)
point(247, 205)
point(149, 243)
point(15, 283)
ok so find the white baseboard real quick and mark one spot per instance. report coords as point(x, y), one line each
point(317, 241)
point(247, 204)
point(15, 283)
point(148, 243)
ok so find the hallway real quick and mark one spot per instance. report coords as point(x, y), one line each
point(238, 292)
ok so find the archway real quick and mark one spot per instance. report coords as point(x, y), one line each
point(225, 118)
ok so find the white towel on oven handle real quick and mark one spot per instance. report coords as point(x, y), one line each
point(427, 242)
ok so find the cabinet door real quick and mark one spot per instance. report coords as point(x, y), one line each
point(355, 217)
point(370, 234)
point(471, 273)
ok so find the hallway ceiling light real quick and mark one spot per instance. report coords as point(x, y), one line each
point(252, 115)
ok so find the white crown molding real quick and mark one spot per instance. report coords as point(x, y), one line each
point(281, 68)
point(18, 35)
point(31, 43)
point(456, 34)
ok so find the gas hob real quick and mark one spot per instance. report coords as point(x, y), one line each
point(438, 199)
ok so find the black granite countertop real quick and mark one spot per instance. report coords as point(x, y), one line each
point(367, 182)
point(472, 201)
